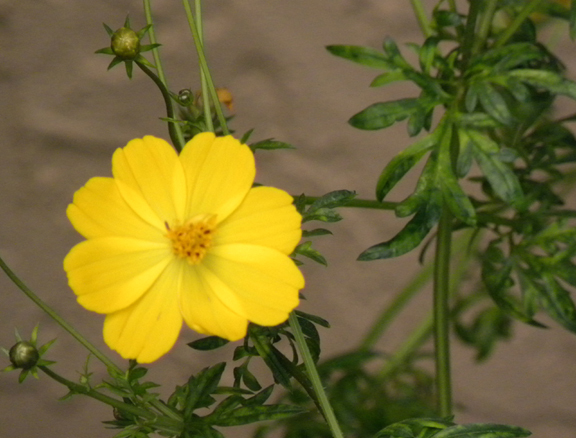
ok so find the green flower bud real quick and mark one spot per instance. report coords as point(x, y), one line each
point(185, 97)
point(24, 355)
point(125, 43)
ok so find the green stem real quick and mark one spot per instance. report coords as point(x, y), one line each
point(416, 339)
point(485, 23)
point(393, 309)
point(59, 320)
point(161, 423)
point(516, 23)
point(177, 140)
point(442, 313)
point(158, 63)
point(421, 17)
point(203, 83)
point(204, 68)
point(314, 377)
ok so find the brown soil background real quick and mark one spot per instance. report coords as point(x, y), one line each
point(63, 115)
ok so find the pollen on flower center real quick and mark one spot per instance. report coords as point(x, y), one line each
point(192, 240)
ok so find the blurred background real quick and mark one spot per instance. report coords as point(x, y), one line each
point(63, 115)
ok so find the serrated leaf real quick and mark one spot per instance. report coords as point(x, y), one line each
point(402, 163)
point(208, 343)
point(366, 56)
point(409, 237)
point(266, 351)
point(501, 177)
point(383, 114)
point(260, 398)
point(482, 431)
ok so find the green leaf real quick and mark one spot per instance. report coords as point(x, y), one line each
point(557, 302)
point(402, 163)
point(316, 232)
point(201, 387)
point(482, 431)
point(383, 114)
point(548, 80)
point(424, 188)
point(427, 54)
point(501, 177)
point(208, 343)
point(313, 318)
point(252, 414)
point(454, 196)
point(337, 198)
point(274, 362)
point(494, 104)
point(388, 78)
point(306, 250)
point(366, 56)
point(409, 237)
point(270, 144)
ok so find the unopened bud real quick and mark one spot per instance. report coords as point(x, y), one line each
point(24, 355)
point(125, 43)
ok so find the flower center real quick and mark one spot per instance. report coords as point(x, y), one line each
point(192, 240)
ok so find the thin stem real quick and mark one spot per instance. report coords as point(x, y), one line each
point(393, 309)
point(203, 83)
point(423, 21)
point(416, 339)
point(442, 313)
point(204, 68)
point(516, 22)
point(485, 24)
point(59, 320)
point(159, 68)
point(165, 424)
point(314, 377)
point(177, 140)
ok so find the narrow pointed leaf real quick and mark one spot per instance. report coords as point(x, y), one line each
point(482, 431)
point(409, 237)
point(366, 56)
point(401, 164)
point(383, 114)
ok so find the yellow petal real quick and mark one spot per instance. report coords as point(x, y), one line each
point(148, 328)
point(203, 311)
point(219, 174)
point(99, 210)
point(266, 218)
point(151, 179)
point(261, 283)
point(111, 273)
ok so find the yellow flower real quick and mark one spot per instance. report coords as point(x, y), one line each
point(173, 238)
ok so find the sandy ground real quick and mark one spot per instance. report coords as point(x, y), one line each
point(63, 115)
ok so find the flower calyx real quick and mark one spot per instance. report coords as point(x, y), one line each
point(27, 356)
point(126, 46)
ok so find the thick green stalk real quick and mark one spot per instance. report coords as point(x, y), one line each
point(442, 313)
point(57, 318)
point(314, 377)
point(158, 63)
